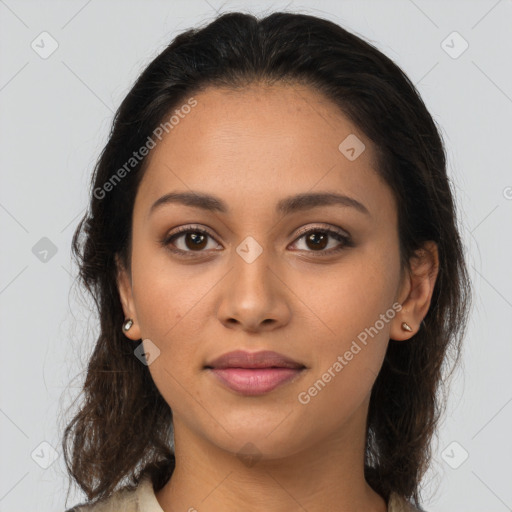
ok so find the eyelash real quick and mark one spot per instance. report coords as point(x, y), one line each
point(345, 239)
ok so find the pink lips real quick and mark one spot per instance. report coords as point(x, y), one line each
point(254, 373)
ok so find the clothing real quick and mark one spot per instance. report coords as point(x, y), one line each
point(143, 499)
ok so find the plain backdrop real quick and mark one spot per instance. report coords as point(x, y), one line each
point(66, 66)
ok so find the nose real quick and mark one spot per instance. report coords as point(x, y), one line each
point(254, 296)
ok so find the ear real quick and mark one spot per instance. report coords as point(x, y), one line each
point(416, 291)
point(124, 285)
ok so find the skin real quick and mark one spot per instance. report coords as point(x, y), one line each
point(251, 148)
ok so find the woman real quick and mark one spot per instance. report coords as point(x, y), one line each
point(273, 249)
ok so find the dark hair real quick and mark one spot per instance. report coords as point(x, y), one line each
point(123, 429)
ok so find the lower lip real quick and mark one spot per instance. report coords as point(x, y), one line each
point(256, 381)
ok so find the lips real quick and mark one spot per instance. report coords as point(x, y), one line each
point(254, 373)
point(263, 359)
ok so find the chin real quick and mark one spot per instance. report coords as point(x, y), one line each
point(259, 441)
point(252, 449)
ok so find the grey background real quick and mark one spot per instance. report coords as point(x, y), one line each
point(55, 117)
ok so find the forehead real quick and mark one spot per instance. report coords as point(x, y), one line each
point(258, 144)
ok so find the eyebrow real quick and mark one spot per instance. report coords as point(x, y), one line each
point(285, 206)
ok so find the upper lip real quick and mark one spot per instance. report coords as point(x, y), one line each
point(263, 359)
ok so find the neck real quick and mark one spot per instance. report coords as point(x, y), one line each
point(328, 475)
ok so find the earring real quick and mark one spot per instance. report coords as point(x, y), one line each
point(406, 327)
point(127, 325)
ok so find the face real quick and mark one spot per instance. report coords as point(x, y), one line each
point(318, 281)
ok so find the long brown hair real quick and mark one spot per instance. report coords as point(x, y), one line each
point(123, 429)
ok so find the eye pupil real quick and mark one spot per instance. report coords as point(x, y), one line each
point(198, 240)
point(319, 240)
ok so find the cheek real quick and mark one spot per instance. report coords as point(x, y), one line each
point(174, 310)
point(166, 294)
point(353, 314)
point(346, 301)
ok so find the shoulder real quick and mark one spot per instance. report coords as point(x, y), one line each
point(398, 504)
point(122, 500)
point(139, 499)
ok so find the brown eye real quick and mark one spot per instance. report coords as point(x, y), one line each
point(317, 239)
point(187, 240)
point(195, 240)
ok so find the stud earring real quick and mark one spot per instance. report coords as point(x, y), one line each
point(406, 327)
point(127, 325)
